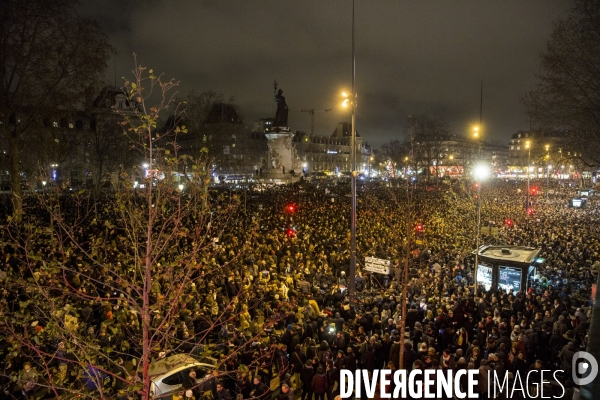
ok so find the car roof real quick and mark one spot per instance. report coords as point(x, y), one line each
point(167, 364)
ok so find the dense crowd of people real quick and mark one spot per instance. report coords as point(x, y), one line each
point(274, 307)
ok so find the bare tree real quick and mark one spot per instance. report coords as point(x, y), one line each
point(428, 135)
point(48, 55)
point(148, 264)
point(568, 95)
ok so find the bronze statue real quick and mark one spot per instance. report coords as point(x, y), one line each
point(281, 116)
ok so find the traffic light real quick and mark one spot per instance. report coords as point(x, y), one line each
point(290, 232)
point(530, 211)
point(419, 228)
point(290, 208)
point(534, 190)
point(509, 223)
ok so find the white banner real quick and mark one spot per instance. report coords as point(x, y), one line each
point(378, 265)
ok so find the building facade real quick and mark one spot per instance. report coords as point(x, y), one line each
point(331, 155)
point(79, 148)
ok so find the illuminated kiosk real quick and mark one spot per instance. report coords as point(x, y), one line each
point(507, 267)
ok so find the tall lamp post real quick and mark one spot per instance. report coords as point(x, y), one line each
point(480, 172)
point(351, 101)
point(547, 170)
point(528, 147)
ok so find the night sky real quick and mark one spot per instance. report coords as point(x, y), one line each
point(412, 57)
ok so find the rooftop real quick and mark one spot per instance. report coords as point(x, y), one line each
point(510, 253)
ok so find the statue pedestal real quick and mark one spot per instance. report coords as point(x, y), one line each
point(281, 159)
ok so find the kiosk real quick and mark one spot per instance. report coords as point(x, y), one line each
point(507, 267)
point(578, 202)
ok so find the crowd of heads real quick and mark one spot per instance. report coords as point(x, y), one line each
point(267, 297)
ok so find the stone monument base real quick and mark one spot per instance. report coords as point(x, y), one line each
point(282, 156)
point(277, 176)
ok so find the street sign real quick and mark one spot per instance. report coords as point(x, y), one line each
point(377, 265)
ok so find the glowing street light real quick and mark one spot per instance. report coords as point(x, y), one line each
point(481, 171)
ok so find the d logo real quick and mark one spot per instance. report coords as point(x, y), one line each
point(589, 363)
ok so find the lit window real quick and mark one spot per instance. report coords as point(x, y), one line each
point(55, 124)
point(518, 147)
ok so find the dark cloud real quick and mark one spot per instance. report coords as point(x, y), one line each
point(411, 57)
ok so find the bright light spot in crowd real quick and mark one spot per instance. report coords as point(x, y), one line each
point(481, 171)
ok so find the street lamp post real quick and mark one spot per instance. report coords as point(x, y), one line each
point(547, 171)
point(481, 171)
point(351, 100)
point(528, 147)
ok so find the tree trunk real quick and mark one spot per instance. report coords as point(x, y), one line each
point(97, 179)
point(145, 311)
point(405, 277)
point(15, 175)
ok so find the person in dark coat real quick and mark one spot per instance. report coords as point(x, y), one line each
point(368, 360)
point(297, 361)
point(244, 385)
point(333, 376)
point(412, 316)
point(286, 338)
point(222, 393)
point(520, 365)
point(409, 356)
point(339, 360)
point(190, 383)
point(395, 352)
point(306, 377)
point(287, 393)
point(260, 390)
point(350, 359)
point(319, 384)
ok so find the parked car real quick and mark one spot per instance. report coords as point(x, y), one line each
point(167, 374)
